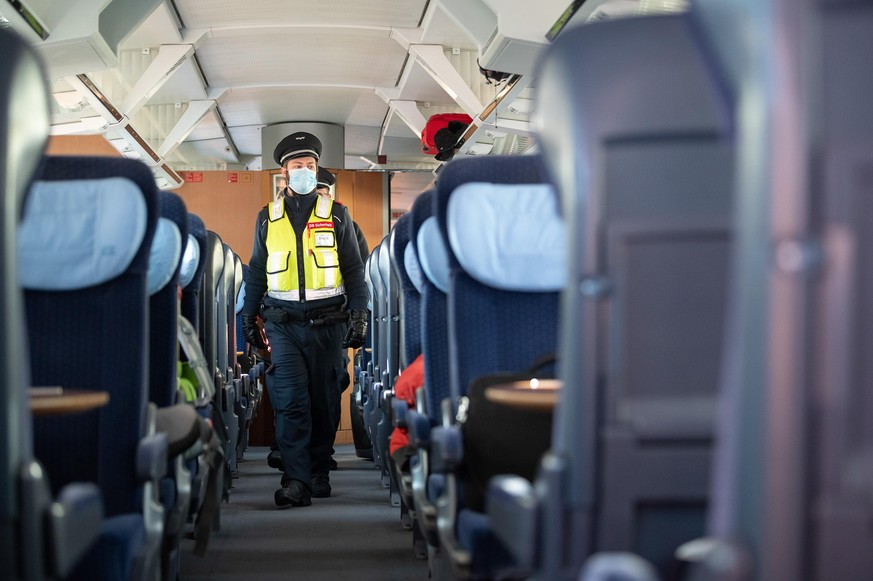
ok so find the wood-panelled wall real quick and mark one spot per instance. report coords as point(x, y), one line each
point(228, 208)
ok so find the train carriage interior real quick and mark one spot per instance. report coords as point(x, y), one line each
point(614, 258)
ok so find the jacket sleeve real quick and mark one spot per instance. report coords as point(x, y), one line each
point(256, 276)
point(350, 263)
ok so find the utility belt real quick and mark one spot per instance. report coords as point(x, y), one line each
point(313, 318)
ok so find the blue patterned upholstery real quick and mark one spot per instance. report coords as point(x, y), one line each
point(163, 312)
point(507, 234)
point(68, 332)
point(409, 294)
point(434, 332)
point(493, 330)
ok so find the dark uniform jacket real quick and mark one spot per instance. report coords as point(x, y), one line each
point(298, 209)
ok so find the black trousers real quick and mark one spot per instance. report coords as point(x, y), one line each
point(307, 363)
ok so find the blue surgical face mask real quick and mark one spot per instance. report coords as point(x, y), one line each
point(302, 180)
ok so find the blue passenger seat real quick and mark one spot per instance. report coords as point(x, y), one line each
point(86, 239)
point(793, 472)
point(637, 136)
point(507, 264)
point(378, 332)
point(40, 536)
point(427, 487)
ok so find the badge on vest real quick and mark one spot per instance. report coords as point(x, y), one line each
point(324, 239)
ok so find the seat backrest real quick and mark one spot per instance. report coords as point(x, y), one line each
point(434, 315)
point(392, 318)
point(793, 468)
point(227, 300)
point(24, 123)
point(209, 302)
point(164, 265)
point(367, 353)
point(192, 279)
point(240, 299)
point(410, 299)
point(86, 241)
point(238, 278)
point(496, 328)
point(646, 185)
point(379, 314)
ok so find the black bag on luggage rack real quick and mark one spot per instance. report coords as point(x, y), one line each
point(499, 438)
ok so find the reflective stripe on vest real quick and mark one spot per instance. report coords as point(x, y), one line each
point(322, 275)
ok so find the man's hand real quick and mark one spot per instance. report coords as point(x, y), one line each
point(357, 330)
point(253, 333)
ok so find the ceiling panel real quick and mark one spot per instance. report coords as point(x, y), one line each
point(420, 86)
point(380, 13)
point(275, 105)
point(203, 153)
point(248, 142)
point(442, 29)
point(208, 128)
point(185, 84)
point(361, 140)
point(306, 57)
point(369, 109)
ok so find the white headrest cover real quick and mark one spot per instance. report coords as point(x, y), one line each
point(165, 254)
point(509, 237)
point(79, 233)
point(240, 298)
point(190, 260)
point(413, 268)
point(432, 254)
point(369, 282)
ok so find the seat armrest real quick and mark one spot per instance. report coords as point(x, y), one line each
point(151, 458)
point(74, 523)
point(447, 449)
point(399, 408)
point(513, 509)
point(716, 558)
point(181, 424)
point(617, 566)
point(419, 429)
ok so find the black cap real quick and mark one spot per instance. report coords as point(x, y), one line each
point(325, 178)
point(300, 144)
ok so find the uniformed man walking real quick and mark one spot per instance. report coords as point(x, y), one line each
point(306, 260)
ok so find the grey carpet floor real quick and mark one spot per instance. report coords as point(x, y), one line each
point(355, 534)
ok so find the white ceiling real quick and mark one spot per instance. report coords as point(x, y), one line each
point(199, 79)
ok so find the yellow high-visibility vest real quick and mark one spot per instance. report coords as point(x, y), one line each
point(322, 274)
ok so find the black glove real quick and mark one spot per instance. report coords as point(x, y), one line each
point(253, 334)
point(357, 330)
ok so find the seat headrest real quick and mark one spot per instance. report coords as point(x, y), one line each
point(240, 298)
point(80, 233)
point(190, 261)
point(413, 268)
point(165, 254)
point(509, 236)
point(369, 282)
point(433, 255)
